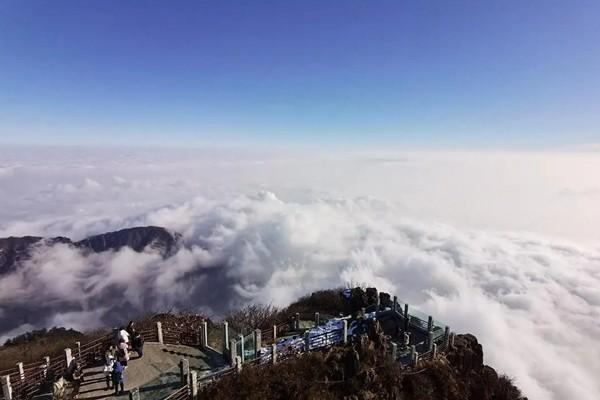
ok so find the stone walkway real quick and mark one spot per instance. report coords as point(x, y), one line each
point(156, 374)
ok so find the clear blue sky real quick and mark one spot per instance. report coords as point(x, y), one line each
point(423, 73)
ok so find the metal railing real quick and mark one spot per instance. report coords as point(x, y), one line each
point(208, 379)
point(325, 340)
point(180, 394)
point(35, 375)
point(27, 382)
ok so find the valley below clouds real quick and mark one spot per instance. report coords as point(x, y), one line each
point(501, 245)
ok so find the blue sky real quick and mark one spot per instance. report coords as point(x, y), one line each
point(367, 73)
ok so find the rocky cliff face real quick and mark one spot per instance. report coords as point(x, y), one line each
point(15, 250)
point(460, 374)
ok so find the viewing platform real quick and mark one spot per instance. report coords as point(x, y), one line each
point(156, 374)
point(179, 359)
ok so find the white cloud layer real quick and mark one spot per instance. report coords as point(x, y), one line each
point(272, 227)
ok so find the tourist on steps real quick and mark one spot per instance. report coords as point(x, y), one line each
point(109, 362)
point(111, 352)
point(123, 335)
point(117, 377)
point(77, 379)
point(123, 353)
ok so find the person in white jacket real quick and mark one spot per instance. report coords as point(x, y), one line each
point(123, 335)
point(109, 361)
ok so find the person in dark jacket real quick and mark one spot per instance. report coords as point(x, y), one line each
point(130, 329)
point(77, 378)
point(138, 344)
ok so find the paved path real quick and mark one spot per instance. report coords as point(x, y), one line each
point(156, 374)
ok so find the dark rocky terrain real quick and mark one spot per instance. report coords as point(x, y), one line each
point(361, 370)
point(365, 372)
point(14, 250)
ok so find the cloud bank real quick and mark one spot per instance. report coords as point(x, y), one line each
point(533, 302)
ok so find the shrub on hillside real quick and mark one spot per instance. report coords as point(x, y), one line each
point(33, 346)
point(328, 301)
point(252, 316)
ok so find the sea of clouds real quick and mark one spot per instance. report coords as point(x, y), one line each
point(502, 245)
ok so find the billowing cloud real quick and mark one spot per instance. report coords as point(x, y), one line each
point(533, 302)
point(62, 191)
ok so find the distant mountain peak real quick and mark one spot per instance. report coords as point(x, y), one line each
point(137, 238)
point(15, 250)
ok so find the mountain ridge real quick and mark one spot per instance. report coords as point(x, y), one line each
point(14, 250)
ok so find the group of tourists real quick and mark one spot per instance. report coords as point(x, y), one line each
point(117, 356)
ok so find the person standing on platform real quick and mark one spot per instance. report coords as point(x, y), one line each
point(118, 377)
point(124, 335)
point(109, 362)
point(138, 344)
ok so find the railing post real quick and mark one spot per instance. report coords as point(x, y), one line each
point(68, 356)
point(225, 336)
point(452, 336)
point(394, 351)
point(78, 351)
point(345, 330)
point(406, 316)
point(434, 351)
point(395, 303)
point(416, 360)
point(6, 387)
point(204, 335)
point(429, 323)
point(297, 327)
point(232, 352)
point(274, 332)
point(430, 340)
point(238, 364)
point(274, 353)
point(21, 371)
point(159, 332)
point(242, 352)
point(134, 394)
point(317, 319)
point(306, 341)
point(46, 365)
point(413, 351)
point(184, 371)
point(446, 332)
point(257, 342)
point(194, 385)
